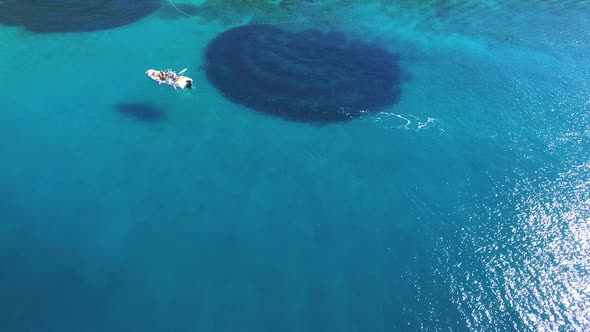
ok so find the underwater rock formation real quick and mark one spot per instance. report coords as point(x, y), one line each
point(308, 76)
point(47, 16)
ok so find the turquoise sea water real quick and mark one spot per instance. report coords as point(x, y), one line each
point(128, 206)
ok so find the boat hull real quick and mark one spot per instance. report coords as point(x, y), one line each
point(182, 82)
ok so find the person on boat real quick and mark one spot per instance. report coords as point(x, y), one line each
point(171, 75)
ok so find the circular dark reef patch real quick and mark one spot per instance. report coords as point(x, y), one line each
point(47, 16)
point(307, 76)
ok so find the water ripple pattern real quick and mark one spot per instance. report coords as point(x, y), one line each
point(533, 274)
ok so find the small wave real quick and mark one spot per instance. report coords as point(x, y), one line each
point(412, 122)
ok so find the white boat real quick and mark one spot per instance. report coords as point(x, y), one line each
point(179, 81)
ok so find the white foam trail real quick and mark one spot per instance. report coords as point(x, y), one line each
point(404, 121)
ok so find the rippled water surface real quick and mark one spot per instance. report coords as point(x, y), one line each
point(340, 165)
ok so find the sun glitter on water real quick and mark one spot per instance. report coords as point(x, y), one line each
point(532, 272)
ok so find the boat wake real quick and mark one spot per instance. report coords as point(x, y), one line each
point(405, 121)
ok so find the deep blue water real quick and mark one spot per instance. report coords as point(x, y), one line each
point(340, 166)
